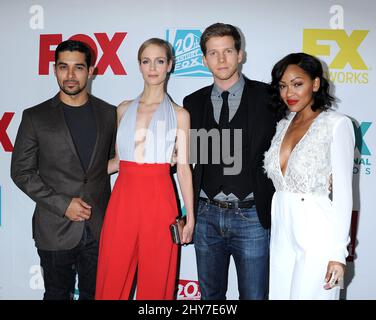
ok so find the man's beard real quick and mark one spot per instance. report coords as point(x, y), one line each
point(72, 92)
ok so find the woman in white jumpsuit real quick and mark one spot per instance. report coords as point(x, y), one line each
point(311, 153)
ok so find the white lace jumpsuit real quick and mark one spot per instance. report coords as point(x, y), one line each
point(308, 228)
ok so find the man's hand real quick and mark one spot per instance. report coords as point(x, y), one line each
point(78, 210)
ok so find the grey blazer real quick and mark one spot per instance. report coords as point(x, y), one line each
point(45, 165)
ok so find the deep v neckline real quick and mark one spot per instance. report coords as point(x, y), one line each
point(151, 119)
point(293, 149)
point(145, 141)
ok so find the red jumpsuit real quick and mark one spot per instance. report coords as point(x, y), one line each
point(136, 236)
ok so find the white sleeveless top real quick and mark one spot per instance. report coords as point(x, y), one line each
point(160, 136)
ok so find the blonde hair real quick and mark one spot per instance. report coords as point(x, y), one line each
point(158, 42)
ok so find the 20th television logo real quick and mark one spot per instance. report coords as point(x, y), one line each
point(347, 66)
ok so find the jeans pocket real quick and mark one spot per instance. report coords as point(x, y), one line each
point(202, 208)
point(247, 215)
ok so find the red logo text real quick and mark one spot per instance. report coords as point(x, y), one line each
point(4, 138)
point(188, 290)
point(109, 48)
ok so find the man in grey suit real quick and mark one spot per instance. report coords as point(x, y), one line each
point(60, 161)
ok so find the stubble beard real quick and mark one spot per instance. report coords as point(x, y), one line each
point(69, 92)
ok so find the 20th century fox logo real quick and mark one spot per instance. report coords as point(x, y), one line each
point(188, 54)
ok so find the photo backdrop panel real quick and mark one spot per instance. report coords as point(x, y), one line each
point(340, 33)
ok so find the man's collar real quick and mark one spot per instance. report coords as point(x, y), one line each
point(238, 85)
point(56, 99)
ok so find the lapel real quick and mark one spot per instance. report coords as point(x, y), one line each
point(202, 113)
point(207, 106)
point(251, 112)
point(99, 123)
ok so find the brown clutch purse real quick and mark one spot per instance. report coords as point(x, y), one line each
point(177, 229)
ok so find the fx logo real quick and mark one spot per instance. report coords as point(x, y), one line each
point(348, 46)
point(359, 137)
point(4, 138)
point(109, 47)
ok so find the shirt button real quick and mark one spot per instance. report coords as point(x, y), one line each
point(302, 199)
point(85, 180)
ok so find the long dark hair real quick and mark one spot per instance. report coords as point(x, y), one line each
point(313, 68)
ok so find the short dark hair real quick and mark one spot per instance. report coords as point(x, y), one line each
point(158, 42)
point(220, 30)
point(75, 45)
point(313, 68)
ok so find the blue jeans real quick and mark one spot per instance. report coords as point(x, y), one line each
point(220, 233)
point(60, 269)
